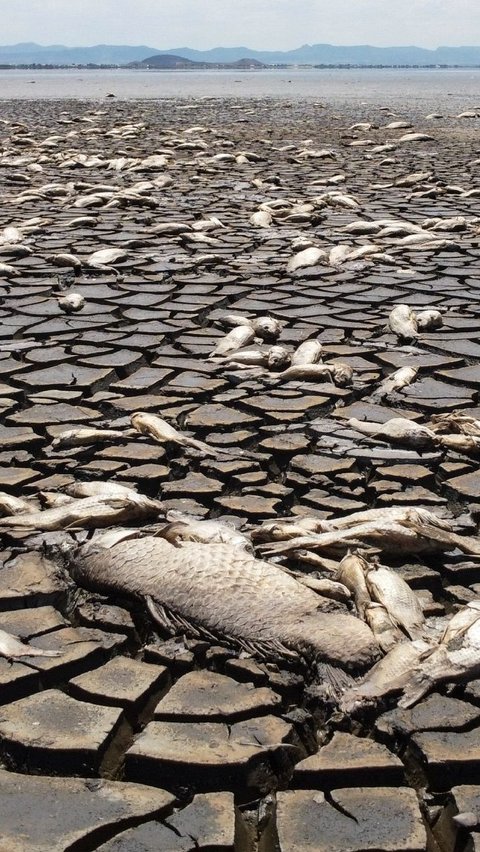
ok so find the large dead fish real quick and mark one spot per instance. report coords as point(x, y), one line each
point(12, 648)
point(218, 590)
point(88, 512)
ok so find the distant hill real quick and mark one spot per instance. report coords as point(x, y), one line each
point(308, 54)
point(173, 61)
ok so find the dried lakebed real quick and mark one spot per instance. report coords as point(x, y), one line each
point(130, 235)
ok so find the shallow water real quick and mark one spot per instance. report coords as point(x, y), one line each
point(427, 87)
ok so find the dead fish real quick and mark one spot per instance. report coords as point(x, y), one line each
point(455, 422)
point(261, 219)
point(11, 647)
point(71, 302)
point(388, 675)
point(402, 321)
point(383, 628)
point(10, 505)
point(308, 257)
point(309, 352)
point(53, 499)
point(351, 572)
point(88, 512)
point(389, 536)
point(106, 257)
point(219, 590)
point(395, 381)
point(239, 336)
point(161, 431)
point(445, 664)
point(183, 528)
point(342, 374)
point(428, 320)
point(461, 622)
point(400, 601)
point(338, 254)
point(99, 489)
point(8, 271)
point(323, 586)
point(83, 436)
point(308, 372)
point(266, 327)
point(416, 137)
point(468, 444)
point(278, 357)
point(65, 259)
point(397, 430)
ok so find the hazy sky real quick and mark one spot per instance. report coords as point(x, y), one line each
point(267, 24)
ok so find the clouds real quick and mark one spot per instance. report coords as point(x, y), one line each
point(260, 24)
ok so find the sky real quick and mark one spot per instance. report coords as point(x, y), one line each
point(258, 24)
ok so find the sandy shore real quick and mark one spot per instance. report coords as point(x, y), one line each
point(122, 702)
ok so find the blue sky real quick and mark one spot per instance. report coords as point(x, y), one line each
point(260, 24)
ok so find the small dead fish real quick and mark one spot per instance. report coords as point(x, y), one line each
point(395, 381)
point(428, 320)
point(88, 512)
point(10, 505)
point(308, 372)
point(445, 664)
point(11, 647)
point(461, 622)
point(309, 352)
point(66, 259)
point(342, 374)
point(383, 628)
point(261, 219)
point(468, 444)
point(184, 528)
point(80, 437)
point(351, 572)
point(99, 489)
point(397, 430)
point(71, 303)
point(325, 587)
point(239, 336)
point(400, 601)
point(388, 675)
point(106, 257)
point(308, 257)
point(402, 321)
point(455, 421)
point(161, 431)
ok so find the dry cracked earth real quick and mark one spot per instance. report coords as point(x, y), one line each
point(134, 740)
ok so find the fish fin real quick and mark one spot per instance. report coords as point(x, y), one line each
point(174, 623)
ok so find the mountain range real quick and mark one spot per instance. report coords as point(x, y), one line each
point(308, 54)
